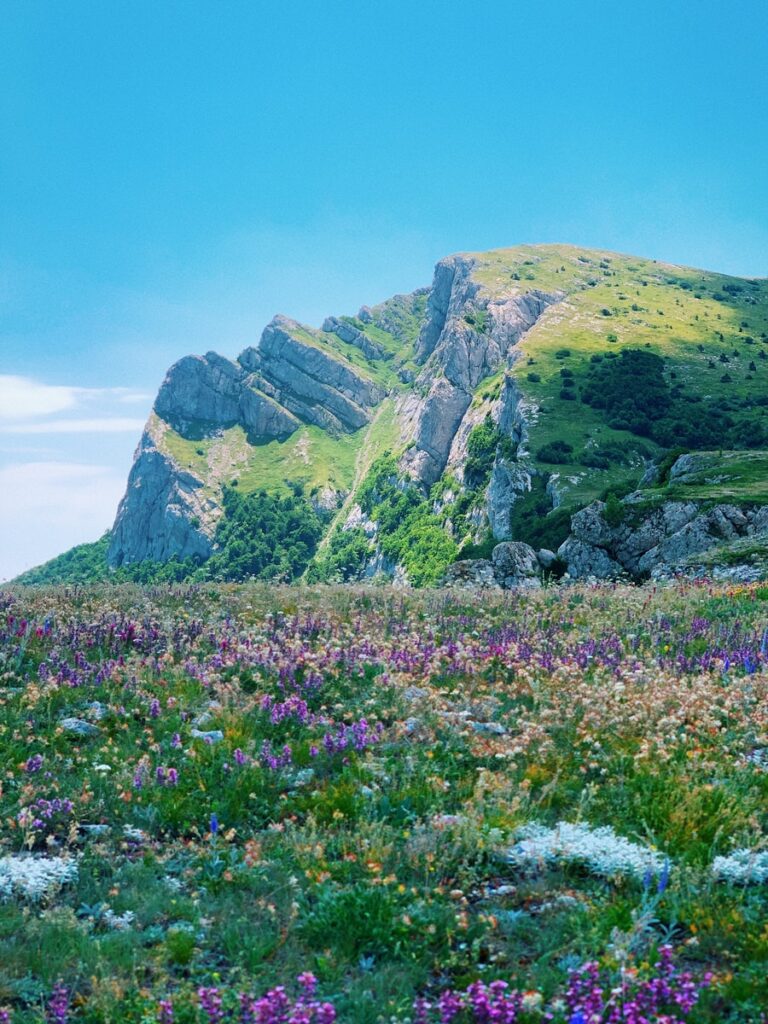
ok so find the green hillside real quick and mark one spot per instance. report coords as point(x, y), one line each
point(711, 331)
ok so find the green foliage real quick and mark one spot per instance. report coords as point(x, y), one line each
point(482, 444)
point(483, 548)
point(260, 535)
point(609, 453)
point(614, 511)
point(264, 536)
point(478, 319)
point(635, 395)
point(343, 559)
point(632, 390)
point(556, 452)
point(534, 521)
point(409, 533)
point(85, 563)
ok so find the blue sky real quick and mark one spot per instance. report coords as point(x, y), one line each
point(173, 174)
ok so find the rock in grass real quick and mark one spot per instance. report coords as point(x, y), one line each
point(78, 727)
point(211, 736)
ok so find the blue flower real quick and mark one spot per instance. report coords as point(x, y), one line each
point(214, 823)
point(663, 878)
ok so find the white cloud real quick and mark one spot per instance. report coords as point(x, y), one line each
point(25, 398)
point(59, 485)
point(22, 396)
point(93, 425)
point(129, 397)
point(47, 507)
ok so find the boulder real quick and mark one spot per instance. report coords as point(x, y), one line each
point(515, 565)
point(546, 558)
point(78, 727)
point(470, 574)
point(586, 561)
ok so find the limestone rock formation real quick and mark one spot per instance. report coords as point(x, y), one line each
point(164, 512)
point(465, 338)
point(655, 538)
point(291, 367)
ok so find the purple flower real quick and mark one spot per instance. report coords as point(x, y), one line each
point(165, 1012)
point(308, 983)
point(58, 1005)
point(34, 764)
point(210, 1003)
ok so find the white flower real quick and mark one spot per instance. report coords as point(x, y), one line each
point(600, 850)
point(120, 922)
point(33, 876)
point(742, 867)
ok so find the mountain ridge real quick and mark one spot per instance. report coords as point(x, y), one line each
point(523, 383)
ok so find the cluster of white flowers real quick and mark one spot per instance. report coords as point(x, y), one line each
point(599, 850)
point(742, 867)
point(33, 876)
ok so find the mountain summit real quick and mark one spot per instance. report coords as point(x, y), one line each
point(522, 386)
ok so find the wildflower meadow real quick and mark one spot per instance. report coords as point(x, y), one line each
point(265, 805)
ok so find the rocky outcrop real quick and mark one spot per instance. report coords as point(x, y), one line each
point(353, 336)
point(437, 356)
point(652, 539)
point(269, 391)
point(466, 337)
point(201, 393)
point(292, 367)
point(516, 565)
point(401, 316)
point(512, 566)
point(471, 574)
point(509, 480)
point(586, 561)
point(164, 512)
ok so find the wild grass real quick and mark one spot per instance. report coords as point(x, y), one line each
point(381, 867)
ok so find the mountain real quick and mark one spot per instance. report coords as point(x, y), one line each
point(540, 395)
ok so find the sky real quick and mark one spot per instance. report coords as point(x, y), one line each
point(174, 174)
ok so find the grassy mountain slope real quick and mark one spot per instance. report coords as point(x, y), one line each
point(690, 318)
